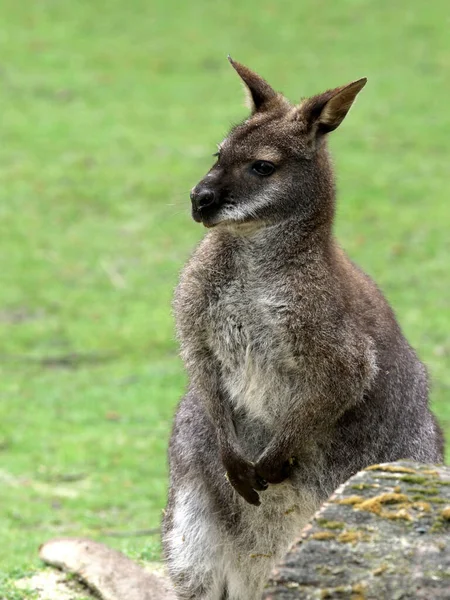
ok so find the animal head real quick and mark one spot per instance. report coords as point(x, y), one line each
point(274, 164)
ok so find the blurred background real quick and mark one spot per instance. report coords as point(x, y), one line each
point(110, 112)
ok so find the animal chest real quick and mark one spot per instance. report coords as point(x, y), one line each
point(249, 337)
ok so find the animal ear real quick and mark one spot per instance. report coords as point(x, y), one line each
point(259, 92)
point(325, 112)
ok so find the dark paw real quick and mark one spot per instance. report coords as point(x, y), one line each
point(274, 471)
point(243, 477)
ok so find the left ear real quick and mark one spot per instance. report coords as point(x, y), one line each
point(259, 93)
point(325, 112)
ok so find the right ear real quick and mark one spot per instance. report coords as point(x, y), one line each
point(325, 112)
point(259, 93)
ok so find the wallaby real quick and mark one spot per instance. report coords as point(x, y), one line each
point(299, 373)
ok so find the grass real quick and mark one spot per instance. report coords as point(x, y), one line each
point(110, 112)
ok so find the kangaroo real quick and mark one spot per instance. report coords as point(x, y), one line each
point(299, 374)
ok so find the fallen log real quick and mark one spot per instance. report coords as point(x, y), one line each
point(384, 534)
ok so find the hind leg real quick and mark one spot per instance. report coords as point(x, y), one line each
point(204, 561)
point(245, 583)
point(192, 546)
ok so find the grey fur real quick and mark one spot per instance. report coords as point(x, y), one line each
point(299, 375)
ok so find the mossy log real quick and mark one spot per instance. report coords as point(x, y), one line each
point(384, 534)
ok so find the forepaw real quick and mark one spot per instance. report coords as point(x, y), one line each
point(274, 471)
point(243, 477)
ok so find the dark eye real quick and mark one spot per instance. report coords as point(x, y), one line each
point(263, 167)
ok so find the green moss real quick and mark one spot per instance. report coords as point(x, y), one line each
point(445, 514)
point(442, 523)
point(391, 469)
point(363, 486)
point(322, 536)
point(352, 537)
point(426, 496)
point(438, 526)
point(414, 479)
point(437, 500)
point(330, 524)
point(350, 500)
point(431, 491)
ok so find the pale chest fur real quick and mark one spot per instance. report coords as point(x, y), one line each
point(248, 337)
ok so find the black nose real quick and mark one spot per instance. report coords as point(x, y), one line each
point(203, 198)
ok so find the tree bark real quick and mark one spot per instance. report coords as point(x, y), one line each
point(384, 534)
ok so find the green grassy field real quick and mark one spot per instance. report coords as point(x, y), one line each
point(109, 114)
